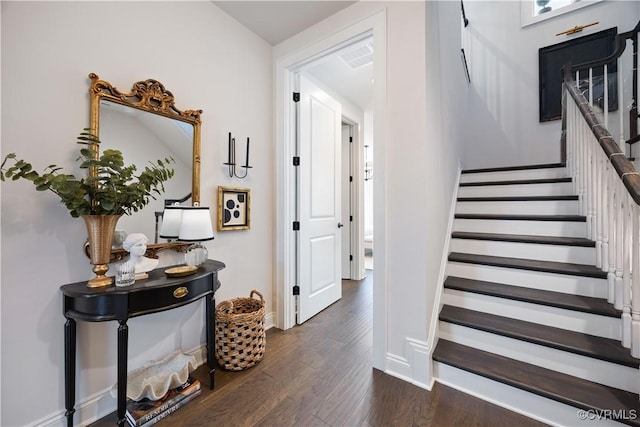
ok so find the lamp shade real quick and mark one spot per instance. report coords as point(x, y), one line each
point(171, 220)
point(196, 224)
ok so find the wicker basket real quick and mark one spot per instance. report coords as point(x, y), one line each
point(240, 334)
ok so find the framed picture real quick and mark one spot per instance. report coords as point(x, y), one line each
point(234, 208)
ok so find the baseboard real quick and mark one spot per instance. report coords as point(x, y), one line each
point(415, 368)
point(269, 320)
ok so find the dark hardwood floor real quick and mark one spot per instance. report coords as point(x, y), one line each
point(320, 374)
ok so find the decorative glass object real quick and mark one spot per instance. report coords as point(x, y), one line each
point(125, 274)
point(196, 255)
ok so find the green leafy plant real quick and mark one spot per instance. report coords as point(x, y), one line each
point(110, 189)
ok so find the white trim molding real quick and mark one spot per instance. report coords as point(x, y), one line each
point(416, 367)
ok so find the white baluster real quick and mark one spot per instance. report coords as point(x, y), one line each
point(593, 190)
point(626, 306)
point(606, 197)
point(583, 173)
point(613, 200)
point(599, 177)
point(621, 112)
point(619, 241)
point(591, 87)
point(571, 126)
point(569, 137)
point(606, 97)
point(635, 285)
point(589, 184)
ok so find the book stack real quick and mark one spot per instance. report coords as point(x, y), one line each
point(145, 412)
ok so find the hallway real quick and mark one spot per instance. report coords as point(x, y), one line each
point(320, 374)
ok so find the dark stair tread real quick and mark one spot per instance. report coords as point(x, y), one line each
point(516, 168)
point(568, 218)
point(517, 198)
point(573, 302)
point(554, 385)
point(525, 238)
point(516, 182)
point(530, 264)
point(606, 349)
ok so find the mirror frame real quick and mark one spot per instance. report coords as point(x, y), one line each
point(151, 96)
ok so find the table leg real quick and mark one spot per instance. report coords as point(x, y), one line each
point(211, 338)
point(123, 338)
point(69, 370)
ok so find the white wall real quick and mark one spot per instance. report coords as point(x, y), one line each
point(368, 185)
point(209, 62)
point(501, 118)
point(411, 163)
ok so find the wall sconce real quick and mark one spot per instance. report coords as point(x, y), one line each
point(231, 162)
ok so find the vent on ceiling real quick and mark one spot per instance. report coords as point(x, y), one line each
point(358, 57)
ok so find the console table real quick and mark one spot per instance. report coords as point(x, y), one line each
point(152, 295)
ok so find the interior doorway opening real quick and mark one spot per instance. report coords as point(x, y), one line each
point(288, 65)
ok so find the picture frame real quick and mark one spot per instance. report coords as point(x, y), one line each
point(234, 208)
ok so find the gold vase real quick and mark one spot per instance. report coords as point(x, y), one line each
point(100, 229)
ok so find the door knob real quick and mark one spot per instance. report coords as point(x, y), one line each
point(340, 225)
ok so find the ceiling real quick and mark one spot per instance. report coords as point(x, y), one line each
point(276, 21)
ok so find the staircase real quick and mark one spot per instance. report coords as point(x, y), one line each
point(525, 321)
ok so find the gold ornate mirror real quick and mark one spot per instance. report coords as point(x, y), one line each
point(145, 124)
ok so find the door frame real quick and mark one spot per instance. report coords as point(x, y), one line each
point(285, 250)
point(355, 227)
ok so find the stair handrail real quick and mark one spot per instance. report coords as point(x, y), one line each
point(625, 169)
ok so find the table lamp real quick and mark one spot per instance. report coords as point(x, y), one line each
point(195, 226)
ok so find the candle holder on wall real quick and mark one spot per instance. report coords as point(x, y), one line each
point(231, 162)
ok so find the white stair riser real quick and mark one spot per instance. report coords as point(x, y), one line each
point(578, 285)
point(587, 323)
point(588, 368)
point(546, 207)
point(547, 189)
point(559, 253)
point(537, 228)
point(546, 173)
point(523, 402)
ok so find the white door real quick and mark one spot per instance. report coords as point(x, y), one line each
point(319, 201)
